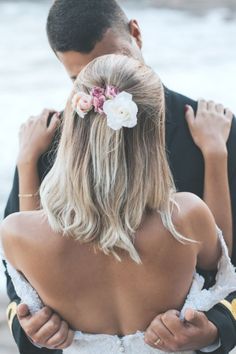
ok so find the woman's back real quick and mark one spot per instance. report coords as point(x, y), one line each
point(96, 293)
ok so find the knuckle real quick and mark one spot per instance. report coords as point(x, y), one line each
point(36, 338)
point(164, 317)
point(155, 323)
point(149, 335)
point(64, 345)
point(67, 343)
point(57, 339)
point(53, 326)
point(28, 330)
point(46, 312)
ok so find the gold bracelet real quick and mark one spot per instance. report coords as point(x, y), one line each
point(28, 195)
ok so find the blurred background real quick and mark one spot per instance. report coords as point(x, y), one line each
point(190, 43)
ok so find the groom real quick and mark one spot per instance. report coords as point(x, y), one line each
point(78, 32)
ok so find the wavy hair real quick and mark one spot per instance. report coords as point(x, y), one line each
point(103, 181)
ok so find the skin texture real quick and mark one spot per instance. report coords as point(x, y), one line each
point(197, 332)
point(35, 137)
point(109, 295)
point(210, 131)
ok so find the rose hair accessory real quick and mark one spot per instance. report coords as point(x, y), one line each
point(119, 107)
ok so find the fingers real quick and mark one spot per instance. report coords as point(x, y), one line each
point(195, 318)
point(45, 328)
point(228, 114)
point(62, 339)
point(68, 341)
point(189, 315)
point(23, 311)
point(48, 330)
point(211, 106)
point(189, 115)
point(172, 321)
point(46, 113)
point(32, 324)
point(158, 330)
point(219, 108)
point(54, 123)
point(202, 104)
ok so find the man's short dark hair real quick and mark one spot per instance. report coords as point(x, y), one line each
point(77, 25)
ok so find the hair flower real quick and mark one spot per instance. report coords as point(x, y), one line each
point(98, 103)
point(111, 92)
point(121, 111)
point(98, 92)
point(82, 103)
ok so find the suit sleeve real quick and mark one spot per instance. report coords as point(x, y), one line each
point(22, 341)
point(179, 144)
point(223, 315)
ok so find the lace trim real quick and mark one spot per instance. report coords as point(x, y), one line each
point(203, 300)
point(198, 298)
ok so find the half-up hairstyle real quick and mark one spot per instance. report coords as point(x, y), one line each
point(103, 181)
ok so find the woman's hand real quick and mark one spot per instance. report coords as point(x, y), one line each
point(211, 127)
point(36, 136)
point(210, 131)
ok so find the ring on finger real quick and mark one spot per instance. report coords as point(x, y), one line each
point(158, 341)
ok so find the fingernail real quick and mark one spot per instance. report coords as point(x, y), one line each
point(186, 108)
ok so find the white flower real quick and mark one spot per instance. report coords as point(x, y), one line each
point(121, 111)
point(82, 103)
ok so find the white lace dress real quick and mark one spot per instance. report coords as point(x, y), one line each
point(198, 298)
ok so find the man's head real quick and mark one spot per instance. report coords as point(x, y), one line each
point(81, 30)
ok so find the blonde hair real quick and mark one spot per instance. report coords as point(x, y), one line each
point(103, 181)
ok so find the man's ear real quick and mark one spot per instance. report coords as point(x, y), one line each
point(136, 32)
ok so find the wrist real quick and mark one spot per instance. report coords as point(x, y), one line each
point(213, 334)
point(219, 153)
point(29, 161)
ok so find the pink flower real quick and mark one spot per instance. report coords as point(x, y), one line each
point(111, 92)
point(82, 103)
point(97, 92)
point(98, 103)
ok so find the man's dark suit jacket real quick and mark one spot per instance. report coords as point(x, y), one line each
point(188, 169)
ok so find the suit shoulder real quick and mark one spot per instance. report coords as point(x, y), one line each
point(176, 98)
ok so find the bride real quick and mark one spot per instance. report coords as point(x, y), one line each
point(114, 244)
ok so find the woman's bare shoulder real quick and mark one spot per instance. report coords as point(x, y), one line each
point(191, 212)
point(18, 224)
point(19, 231)
point(198, 223)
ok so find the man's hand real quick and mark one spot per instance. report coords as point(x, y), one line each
point(45, 328)
point(168, 333)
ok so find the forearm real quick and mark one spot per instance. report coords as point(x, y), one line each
point(28, 186)
point(217, 193)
